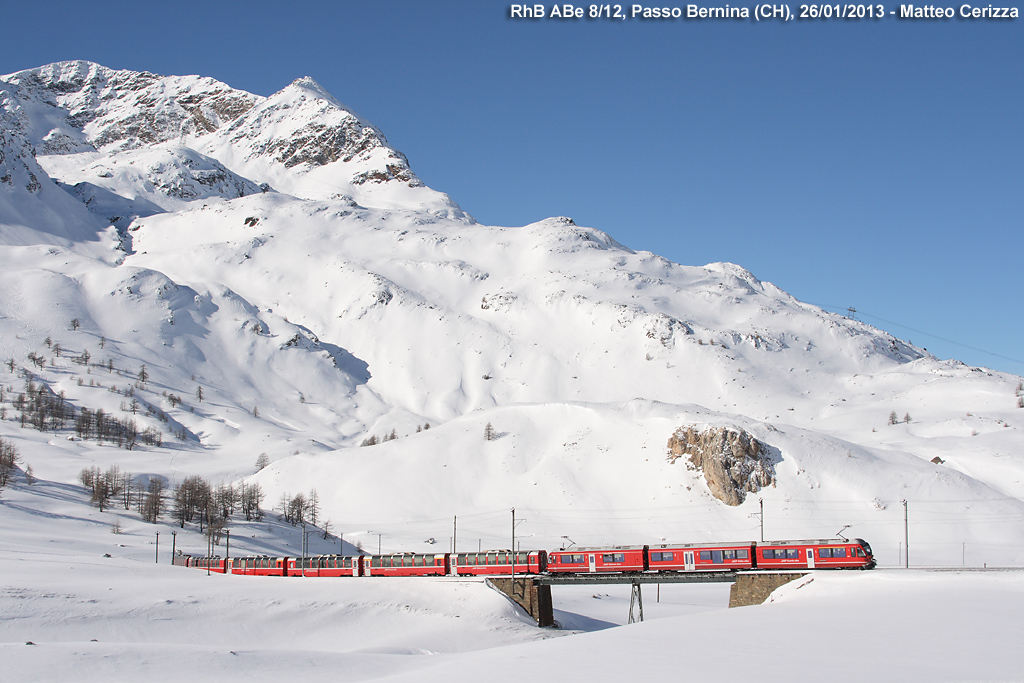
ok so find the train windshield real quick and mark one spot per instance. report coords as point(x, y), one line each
point(864, 544)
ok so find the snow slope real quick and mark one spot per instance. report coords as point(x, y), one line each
point(78, 602)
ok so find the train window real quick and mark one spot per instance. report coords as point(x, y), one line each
point(824, 552)
point(838, 552)
point(716, 556)
point(705, 554)
point(375, 562)
point(523, 558)
point(492, 558)
point(767, 554)
point(858, 552)
point(793, 553)
point(662, 557)
point(613, 557)
point(742, 554)
point(729, 554)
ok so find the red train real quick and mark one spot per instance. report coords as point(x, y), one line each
point(685, 557)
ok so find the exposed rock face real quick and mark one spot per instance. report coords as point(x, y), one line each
point(733, 462)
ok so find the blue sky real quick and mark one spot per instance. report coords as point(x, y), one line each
point(873, 164)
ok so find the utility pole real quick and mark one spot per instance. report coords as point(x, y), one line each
point(158, 548)
point(174, 545)
point(227, 545)
point(906, 537)
point(513, 549)
point(759, 515)
point(455, 531)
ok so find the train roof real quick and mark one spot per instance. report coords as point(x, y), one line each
point(817, 541)
point(601, 549)
point(672, 546)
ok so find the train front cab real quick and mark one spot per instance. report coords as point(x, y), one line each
point(817, 554)
point(217, 565)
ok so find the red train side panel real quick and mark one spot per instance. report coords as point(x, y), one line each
point(598, 560)
point(701, 557)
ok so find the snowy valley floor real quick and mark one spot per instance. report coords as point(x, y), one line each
point(92, 617)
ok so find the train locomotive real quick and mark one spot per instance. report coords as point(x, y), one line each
point(665, 558)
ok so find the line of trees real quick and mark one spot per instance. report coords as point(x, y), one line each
point(9, 459)
point(194, 500)
point(41, 408)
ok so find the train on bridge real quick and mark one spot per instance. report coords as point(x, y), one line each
point(646, 559)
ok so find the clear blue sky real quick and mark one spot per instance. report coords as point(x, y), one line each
point(874, 164)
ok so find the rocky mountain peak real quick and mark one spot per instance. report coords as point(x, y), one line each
point(102, 127)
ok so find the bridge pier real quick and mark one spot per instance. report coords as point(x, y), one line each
point(754, 588)
point(531, 596)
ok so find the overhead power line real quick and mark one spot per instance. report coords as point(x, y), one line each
point(917, 331)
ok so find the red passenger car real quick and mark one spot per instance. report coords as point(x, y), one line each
point(598, 560)
point(259, 566)
point(406, 564)
point(700, 557)
point(325, 565)
point(497, 563)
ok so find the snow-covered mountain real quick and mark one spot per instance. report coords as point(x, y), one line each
point(292, 288)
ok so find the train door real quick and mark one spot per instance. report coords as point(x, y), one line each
point(810, 558)
point(591, 563)
point(454, 564)
point(689, 564)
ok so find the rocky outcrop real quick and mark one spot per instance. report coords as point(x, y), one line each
point(732, 461)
